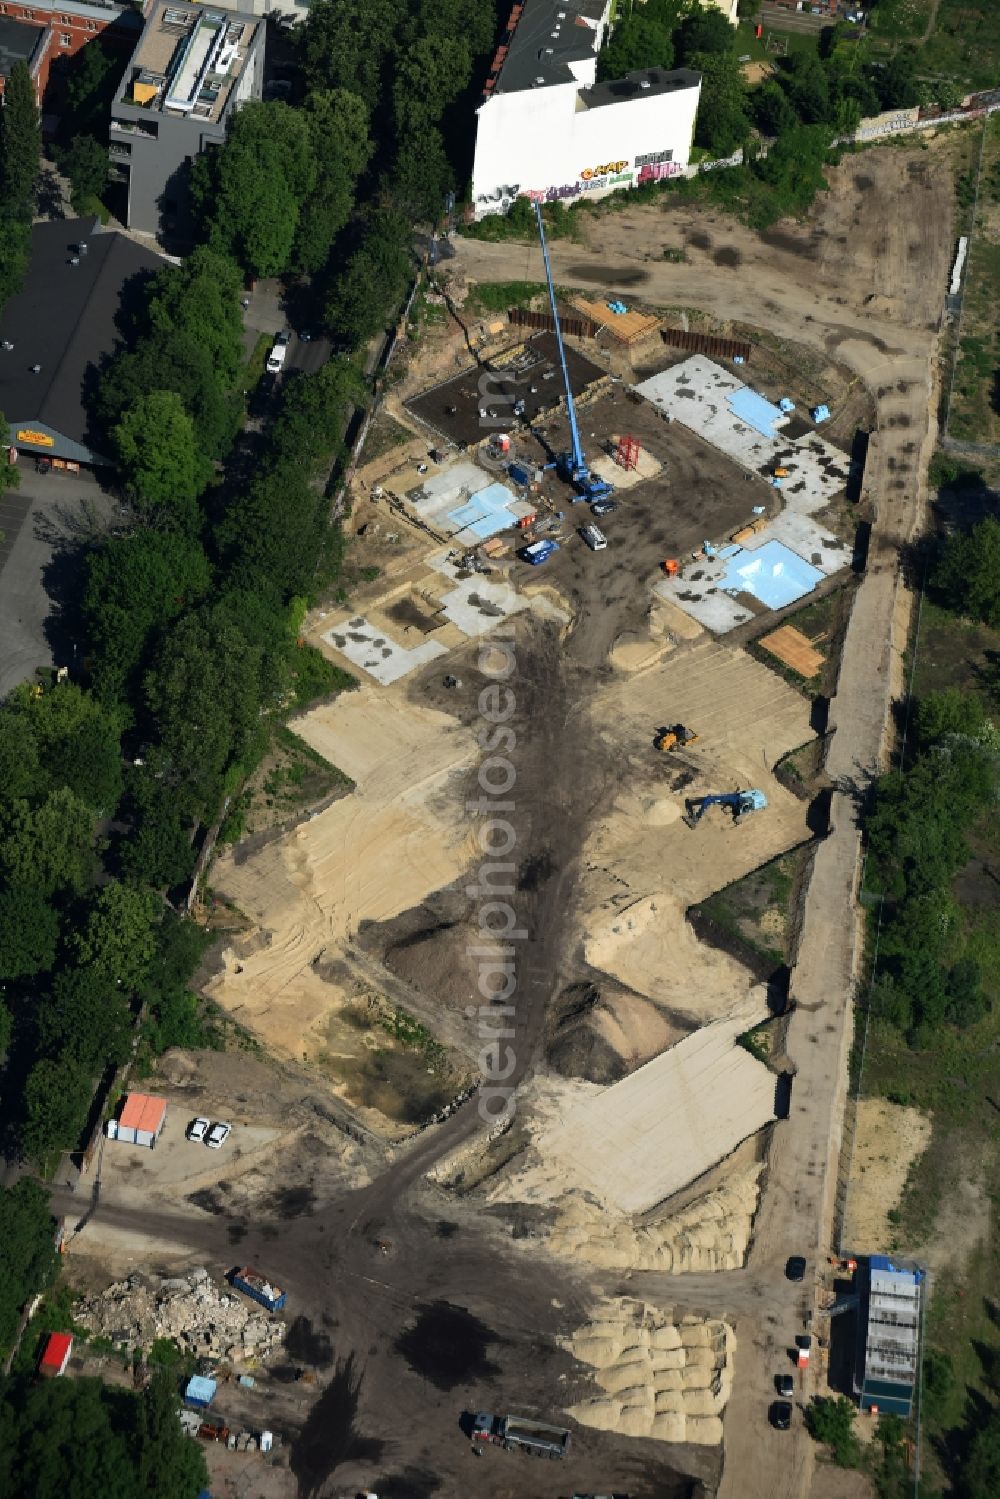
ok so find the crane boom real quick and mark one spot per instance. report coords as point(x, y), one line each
point(572, 465)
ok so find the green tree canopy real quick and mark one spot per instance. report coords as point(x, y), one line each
point(20, 145)
point(118, 939)
point(76, 742)
point(346, 44)
point(27, 1257)
point(135, 586)
point(704, 33)
point(832, 1422)
point(722, 123)
point(249, 194)
point(967, 575)
point(20, 772)
point(50, 846)
point(160, 460)
point(636, 42)
point(204, 691)
point(84, 1021)
point(86, 163)
point(29, 932)
point(980, 1473)
point(57, 1097)
point(80, 1438)
point(337, 121)
point(364, 298)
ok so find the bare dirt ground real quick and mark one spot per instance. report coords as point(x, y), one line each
point(888, 1140)
point(860, 286)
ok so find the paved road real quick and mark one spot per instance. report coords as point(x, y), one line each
point(43, 521)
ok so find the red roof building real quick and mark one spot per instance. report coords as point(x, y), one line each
point(58, 1347)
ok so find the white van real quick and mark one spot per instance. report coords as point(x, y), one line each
point(278, 354)
point(595, 539)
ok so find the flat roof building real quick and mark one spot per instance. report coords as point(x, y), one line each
point(548, 131)
point(890, 1324)
point(55, 330)
point(21, 42)
point(194, 65)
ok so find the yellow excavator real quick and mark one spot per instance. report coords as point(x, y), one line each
point(676, 737)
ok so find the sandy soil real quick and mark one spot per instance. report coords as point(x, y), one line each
point(858, 285)
point(710, 1233)
point(888, 1140)
point(399, 836)
point(658, 1378)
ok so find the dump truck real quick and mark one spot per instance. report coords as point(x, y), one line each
point(254, 1285)
point(539, 551)
point(521, 1433)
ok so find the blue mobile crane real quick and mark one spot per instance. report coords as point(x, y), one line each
point(571, 466)
point(741, 803)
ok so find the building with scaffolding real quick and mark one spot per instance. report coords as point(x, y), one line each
point(889, 1337)
point(192, 68)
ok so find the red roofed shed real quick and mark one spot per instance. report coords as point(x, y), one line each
point(58, 1347)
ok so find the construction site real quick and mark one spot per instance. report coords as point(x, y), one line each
point(591, 558)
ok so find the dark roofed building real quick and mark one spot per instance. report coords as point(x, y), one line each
point(20, 42)
point(63, 322)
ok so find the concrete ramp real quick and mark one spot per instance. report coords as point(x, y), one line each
point(648, 1136)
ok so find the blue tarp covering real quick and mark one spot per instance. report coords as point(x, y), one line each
point(200, 1391)
point(485, 513)
point(772, 573)
point(753, 409)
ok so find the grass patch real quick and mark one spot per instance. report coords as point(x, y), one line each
point(291, 778)
point(384, 434)
point(965, 42)
point(497, 296)
point(975, 402)
point(757, 910)
point(953, 652)
point(257, 358)
point(900, 20)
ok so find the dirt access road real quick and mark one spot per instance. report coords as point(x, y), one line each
point(867, 287)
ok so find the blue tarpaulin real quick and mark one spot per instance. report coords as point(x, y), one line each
point(200, 1391)
point(772, 573)
point(753, 409)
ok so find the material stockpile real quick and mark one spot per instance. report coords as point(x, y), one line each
point(192, 1310)
point(659, 1378)
point(711, 1233)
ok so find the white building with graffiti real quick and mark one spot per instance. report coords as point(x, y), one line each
point(547, 130)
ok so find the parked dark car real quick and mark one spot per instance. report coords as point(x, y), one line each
point(785, 1385)
point(795, 1269)
point(781, 1415)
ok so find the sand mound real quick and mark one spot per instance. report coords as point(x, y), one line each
point(602, 1032)
point(710, 1233)
point(625, 1346)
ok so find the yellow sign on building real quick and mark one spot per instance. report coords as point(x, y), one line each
point(38, 439)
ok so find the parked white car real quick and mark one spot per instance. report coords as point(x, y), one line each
point(278, 354)
point(218, 1135)
point(198, 1129)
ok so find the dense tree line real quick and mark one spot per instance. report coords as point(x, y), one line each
point(20, 158)
point(921, 814)
point(77, 1438)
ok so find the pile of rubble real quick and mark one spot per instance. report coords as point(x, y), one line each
point(200, 1316)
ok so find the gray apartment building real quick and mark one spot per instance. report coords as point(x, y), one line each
point(192, 67)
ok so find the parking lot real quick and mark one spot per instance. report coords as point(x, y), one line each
point(43, 522)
